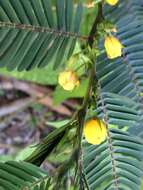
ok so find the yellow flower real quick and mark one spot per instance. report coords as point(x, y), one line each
point(112, 2)
point(113, 47)
point(95, 131)
point(68, 80)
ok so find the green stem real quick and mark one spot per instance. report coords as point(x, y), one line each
point(93, 31)
point(82, 112)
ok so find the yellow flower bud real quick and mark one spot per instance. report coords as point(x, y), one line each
point(113, 47)
point(95, 131)
point(112, 2)
point(68, 80)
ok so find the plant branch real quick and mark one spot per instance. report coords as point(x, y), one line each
point(93, 31)
point(82, 112)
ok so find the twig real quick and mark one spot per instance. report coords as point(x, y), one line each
point(79, 115)
point(36, 92)
point(94, 27)
point(6, 146)
point(82, 111)
point(15, 106)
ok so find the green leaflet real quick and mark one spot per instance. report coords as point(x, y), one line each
point(21, 175)
point(33, 34)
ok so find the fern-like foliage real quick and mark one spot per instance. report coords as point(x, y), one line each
point(22, 176)
point(120, 110)
point(117, 163)
point(116, 166)
point(36, 32)
point(124, 76)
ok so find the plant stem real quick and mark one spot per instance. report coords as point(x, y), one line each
point(93, 31)
point(82, 112)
